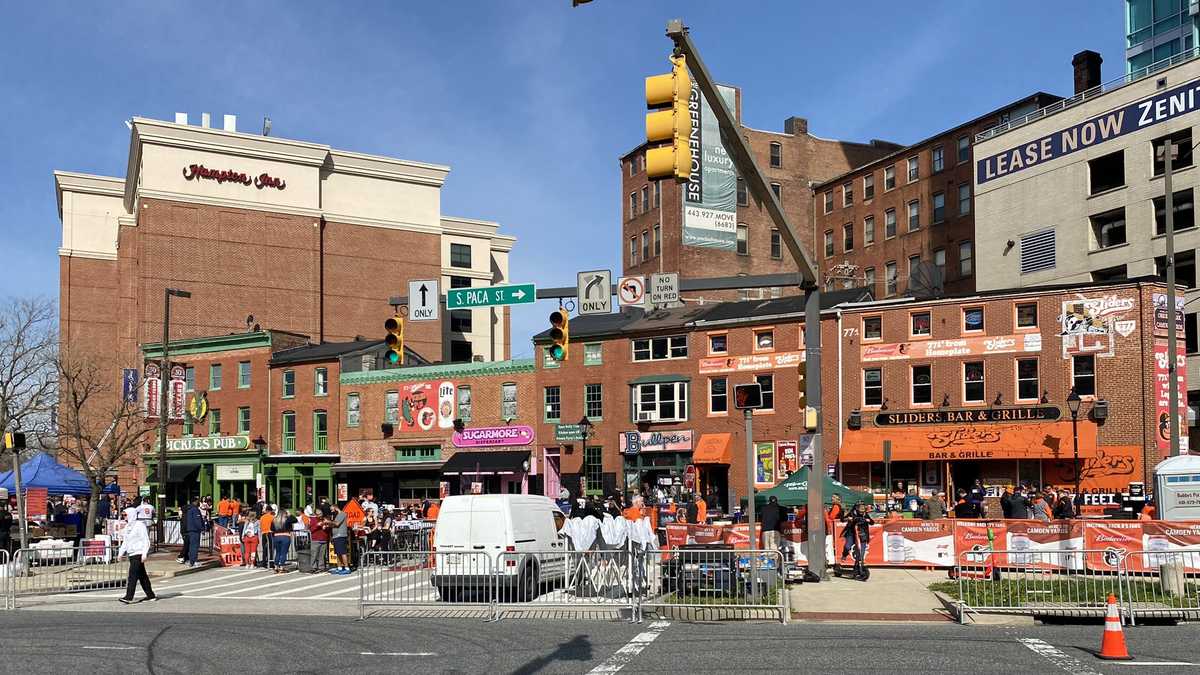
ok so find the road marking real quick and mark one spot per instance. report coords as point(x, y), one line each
point(1056, 656)
point(1154, 663)
point(225, 579)
point(336, 580)
point(397, 654)
point(103, 647)
point(625, 654)
point(287, 580)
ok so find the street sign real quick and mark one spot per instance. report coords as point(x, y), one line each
point(631, 291)
point(490, 296)
point(423, 300)
point(568, 432)
point(594, 292)
point(664, 289)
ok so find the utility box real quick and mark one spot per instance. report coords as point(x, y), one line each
point(1177, 488)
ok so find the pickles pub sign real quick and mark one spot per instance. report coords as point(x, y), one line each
point(969, 416)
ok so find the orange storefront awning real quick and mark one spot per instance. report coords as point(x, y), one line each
point(982, 441)
point(713, 449)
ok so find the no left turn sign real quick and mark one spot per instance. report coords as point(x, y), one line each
point(631, 291)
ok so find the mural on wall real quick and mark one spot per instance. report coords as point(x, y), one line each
point(421, 406)
point(1089, 325)
point(1109, 471)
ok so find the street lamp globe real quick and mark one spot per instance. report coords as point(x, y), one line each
point(1073, 402)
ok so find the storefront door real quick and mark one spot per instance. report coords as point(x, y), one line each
point(660, 469)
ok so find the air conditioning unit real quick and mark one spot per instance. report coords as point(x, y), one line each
point(647, 416)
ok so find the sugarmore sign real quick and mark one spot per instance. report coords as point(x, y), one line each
point(208, 443)
point(1046, 413)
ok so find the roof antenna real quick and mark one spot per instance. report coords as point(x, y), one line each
point(266, 126)
point(249, 321)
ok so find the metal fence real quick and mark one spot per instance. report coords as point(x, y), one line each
point(687, 583)
point(6, 573)
point(62, 569)
point(1161, 584)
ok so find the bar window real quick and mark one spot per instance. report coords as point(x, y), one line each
point(767, 383)
point(922, 384)
point(872, 327)
point(1027, 315)
point(973, 319)
point(873, 387)
point(1083, 374)
point(973, 388)
point(921, 324)
point(1027, 379)
point(718, 395)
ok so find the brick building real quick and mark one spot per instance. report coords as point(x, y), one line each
point(300, 236)
point(874, 223)
point(652, 210)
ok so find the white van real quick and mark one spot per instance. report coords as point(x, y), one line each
point(508, 542)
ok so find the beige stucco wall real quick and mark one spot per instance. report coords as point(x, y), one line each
point(90, 208)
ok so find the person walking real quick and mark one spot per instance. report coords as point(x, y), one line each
point(250, 534)
point(266, 549)
point(340, 533)
point(193, 526)
point(135, 545)
point(773, 518)
point(281, 538)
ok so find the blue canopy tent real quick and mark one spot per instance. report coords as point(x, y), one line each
point(43, 472)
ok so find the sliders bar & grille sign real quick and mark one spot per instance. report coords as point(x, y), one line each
point(909, 417)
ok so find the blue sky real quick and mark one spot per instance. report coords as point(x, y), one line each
point(531, 102)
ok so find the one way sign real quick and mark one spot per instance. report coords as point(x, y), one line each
point(423, 300)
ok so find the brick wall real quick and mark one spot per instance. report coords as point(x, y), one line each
point(305, 402)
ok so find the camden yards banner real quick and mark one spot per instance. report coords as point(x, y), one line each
point(1162, 395)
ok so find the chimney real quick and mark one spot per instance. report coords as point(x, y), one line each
point(230, 123)
point(795, 126)
point(180, 118)
point(205, 120)
point(1087, 70)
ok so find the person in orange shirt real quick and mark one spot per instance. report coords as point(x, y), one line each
point(266, 543)
point(701, 510)
point(432, 512)
point(633, 512)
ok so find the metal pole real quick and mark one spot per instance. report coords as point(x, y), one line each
point(1169, 149)
point(22, 522)
point(750, 476)
point(160, 489)
point(816, 475)
point(1075, 435)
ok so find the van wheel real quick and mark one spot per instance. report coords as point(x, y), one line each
point(529, 584)
point(447, 594)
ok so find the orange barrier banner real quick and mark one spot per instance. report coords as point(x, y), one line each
point(229, 545)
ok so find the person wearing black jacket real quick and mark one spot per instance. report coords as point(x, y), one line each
point(965, 508)
point(1063, 508)
point(857, 536)
point(192, 526)
point(773, 518)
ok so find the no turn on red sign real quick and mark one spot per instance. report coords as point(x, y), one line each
point(631, 291)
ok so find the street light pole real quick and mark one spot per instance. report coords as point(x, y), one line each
point(163, 413)
point(1169, 150)
point(1073, 402)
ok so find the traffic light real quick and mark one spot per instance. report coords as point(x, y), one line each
point(667, 95)
point(560, 334)
point(14, 440)
point(803, 386)
point(394, 340)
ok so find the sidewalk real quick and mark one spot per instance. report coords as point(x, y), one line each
point(891, 594)
point(162, 565)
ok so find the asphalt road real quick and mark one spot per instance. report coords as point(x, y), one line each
point(246, 642)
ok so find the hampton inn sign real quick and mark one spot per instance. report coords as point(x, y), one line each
point(263, 180)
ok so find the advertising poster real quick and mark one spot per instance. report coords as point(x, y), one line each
point(1162, 395)
point(916, 542)
point(1160, 315)
point(35, 502)
point(1028, 543)
point(1110, 541)
point(764, 474)
point(1158, 537)
point(968, 346)
point(230, 546)
point(421, 406)
point(710, 196)
point(787, 460)
point(972, 541)
point(750, 363)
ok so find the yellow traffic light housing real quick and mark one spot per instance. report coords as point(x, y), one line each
point(394, 340)
point(668, 95)
point(803, 386)
point(560, 334)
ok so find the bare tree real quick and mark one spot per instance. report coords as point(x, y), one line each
point(28, 349)
point(99, 431)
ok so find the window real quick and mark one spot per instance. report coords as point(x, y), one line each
point(939, 261)
point(420, 453)
point(320, 431)
point(1027, 315)
point(828, 243)
point(508, 400)
point(461, 351)
point(1182, 204)
point(966, 259)
point(391, 407)
point(1185, 268)
point(718, 344)
point(1027, 379)
point(243, 420)
point(289, 432)
point(632, 205)
point(214, 377)
point(743, 239)
point(460, 255)
point(660, 348)
point(743, 199)
point(657, 239)
point(645, 198)
point(778, 190)
point(847, 193)
point(353, 410)
point(939, 207)
point(889, 277)
point(776, 155)
point(593, 401)
point(1183, 156)
point(633, 250)
point(889, 223)
point(645, 244)
point(829, 202)
point(593, 469)
point(289, 383)
point(889, 178)
point(1107, 172)
point(187, 425)
point(553, 403)
point(465, 401)
point(848, 237)
point(964, 149)
point(922, 385)
point(460, 321)
point(460, 282)
point(869, 186)
point(657, 194)
point(1037, 251)
point(764, 340)
point(1191, 338)
point(913, 261)
point(214, 422)
point(718, 395)
point(767, 383)
point(593, 354)
point(872, 327)
point(973, 319)
point(1108, 228)
point(921, 323)
point(914, 215)
point(320, 382)
point(667, 399)
point(873, 387)
point(973, 382)
point(776, 245)
point(964, 199)
point(868, 230)
point(1083, 374)
point(189, 378)
point(632, 166)
point(869, 279)
point(914, 171)
point(938, 159)
point(1114, 273)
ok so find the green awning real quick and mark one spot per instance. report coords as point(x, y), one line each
point(660, 379)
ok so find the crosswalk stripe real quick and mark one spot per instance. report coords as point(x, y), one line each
point(210, 578)
point(337, 580)
point(287, 580)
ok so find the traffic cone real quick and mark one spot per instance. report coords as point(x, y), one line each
point(1112, 647)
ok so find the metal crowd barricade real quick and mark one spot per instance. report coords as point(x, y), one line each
point(598, 578)
point(64, 569)
point(433, 579)
point(1161, 584)
point(1049, 582)
point(695, 583)
point(6, 576)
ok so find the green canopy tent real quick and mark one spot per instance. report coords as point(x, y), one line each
point(794, 491)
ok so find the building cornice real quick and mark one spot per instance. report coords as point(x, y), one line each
point(387, 168)
point(86, 183)
point(470, 274)
point(206, 345)
point(379, 222)
point(468, 227)
point(78, 253)
point(503, 243)
point(439, 371)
